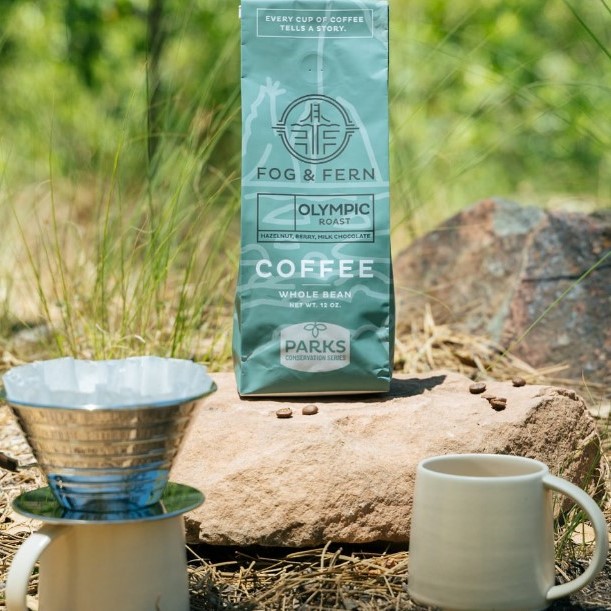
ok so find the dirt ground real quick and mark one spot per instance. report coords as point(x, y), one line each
point(368, 578)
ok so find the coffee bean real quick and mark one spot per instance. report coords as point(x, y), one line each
point(518, 381)
point(477, 387)
point(284, 412)
point(309, 410)
point(498, 404)
point(491, 397)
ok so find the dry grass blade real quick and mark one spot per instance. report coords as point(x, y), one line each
point(307, 579)
point(431, 346)
point(434, 346)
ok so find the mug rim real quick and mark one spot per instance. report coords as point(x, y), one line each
point(524, 466)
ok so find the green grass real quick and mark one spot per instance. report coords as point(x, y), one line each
point(123, 253)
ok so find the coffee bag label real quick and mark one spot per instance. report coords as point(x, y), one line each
point(315, 347)
point(314, 301)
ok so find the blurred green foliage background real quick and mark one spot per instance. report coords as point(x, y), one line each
point(120, 149)
point(503, 97)
point(76, 78)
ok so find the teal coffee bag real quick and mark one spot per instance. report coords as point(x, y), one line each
point(314, 301)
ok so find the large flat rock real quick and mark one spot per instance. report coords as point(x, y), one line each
point(346, 474)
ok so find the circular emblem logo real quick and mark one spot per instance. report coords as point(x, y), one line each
point(315, 128)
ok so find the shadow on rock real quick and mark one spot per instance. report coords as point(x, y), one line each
point(414, 386)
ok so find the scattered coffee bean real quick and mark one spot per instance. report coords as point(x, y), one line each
point(491, 397)
point(477, 387)
point(309, 410)
point(498, 403)
point(518, 381)
point(284, 412)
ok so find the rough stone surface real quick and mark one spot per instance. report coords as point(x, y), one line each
point(510, 273)
point(346, 474)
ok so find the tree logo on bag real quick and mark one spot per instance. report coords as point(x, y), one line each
point(315, 128)
point(314, 347)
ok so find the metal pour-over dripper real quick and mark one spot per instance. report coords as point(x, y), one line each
point(105, 433)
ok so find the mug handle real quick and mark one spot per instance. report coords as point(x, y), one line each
point(23, 564)
point(601, 533)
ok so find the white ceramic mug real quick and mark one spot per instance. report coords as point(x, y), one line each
point(134, 566)
point(482, 534)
